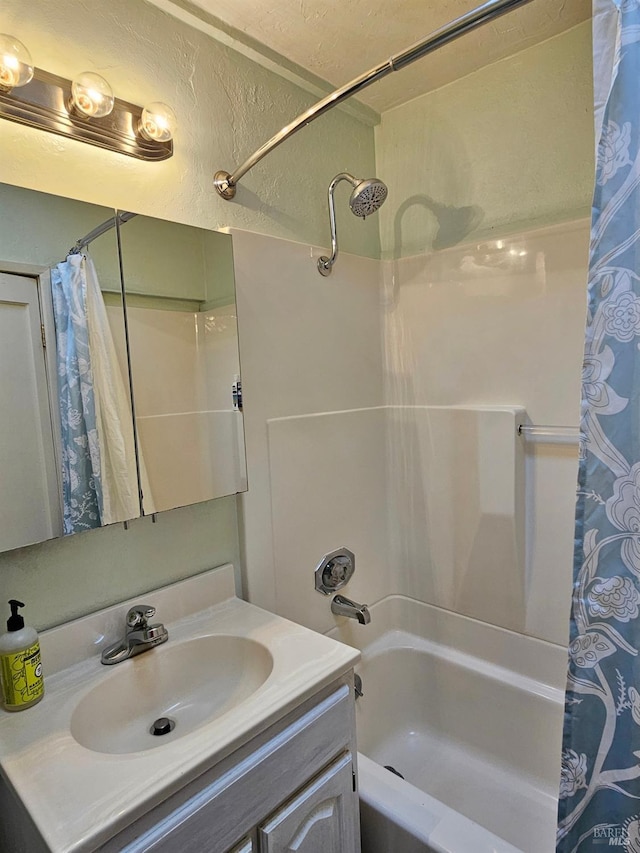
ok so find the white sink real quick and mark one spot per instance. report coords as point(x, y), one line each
point(190, 683)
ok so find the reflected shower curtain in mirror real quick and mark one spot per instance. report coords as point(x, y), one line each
point(600, 777)
point(80, 452)
point(100, 483)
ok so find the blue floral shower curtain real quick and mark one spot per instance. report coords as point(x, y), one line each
point(600, 783)
point(80, 454)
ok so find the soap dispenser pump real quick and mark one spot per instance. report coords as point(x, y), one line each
point(20, 664)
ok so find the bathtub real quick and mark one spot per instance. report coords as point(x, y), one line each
point(471, 716)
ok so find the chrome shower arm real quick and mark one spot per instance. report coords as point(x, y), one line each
point(225, 182)
point(325, 265)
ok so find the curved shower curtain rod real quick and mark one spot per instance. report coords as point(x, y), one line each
point(120, 218)
point(225, 182)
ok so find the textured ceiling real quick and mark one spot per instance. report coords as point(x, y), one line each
point(338, 40)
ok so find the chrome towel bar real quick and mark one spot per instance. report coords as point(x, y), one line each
point(551, 433)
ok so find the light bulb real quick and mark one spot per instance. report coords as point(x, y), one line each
point(91, 95)
point(158, 122)
point(16, 65)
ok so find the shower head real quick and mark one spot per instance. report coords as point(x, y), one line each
point(368, 195)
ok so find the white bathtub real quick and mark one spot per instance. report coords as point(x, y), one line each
point(471, 715)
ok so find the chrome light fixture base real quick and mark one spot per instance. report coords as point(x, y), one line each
point(224, 186)
point(42, 103)
point(325, 265)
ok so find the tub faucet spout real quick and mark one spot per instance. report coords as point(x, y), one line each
point(342, 606)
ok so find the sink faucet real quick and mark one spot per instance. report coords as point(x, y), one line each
point(342, 606)
point(139, 636)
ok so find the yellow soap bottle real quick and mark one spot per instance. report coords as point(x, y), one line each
point(20, 664)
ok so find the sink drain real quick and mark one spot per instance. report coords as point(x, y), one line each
point(162, 726)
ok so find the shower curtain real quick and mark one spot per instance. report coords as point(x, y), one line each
point(600, 779)
point(99, 477)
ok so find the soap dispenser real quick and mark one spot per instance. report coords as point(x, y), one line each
point(20, 665)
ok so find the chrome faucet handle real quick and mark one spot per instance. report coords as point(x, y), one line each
point(139, 636)
point(138, 615)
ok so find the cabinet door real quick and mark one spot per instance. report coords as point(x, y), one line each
point(320, 819)
point(247, 788)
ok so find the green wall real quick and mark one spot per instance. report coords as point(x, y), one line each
point(513, 141)
point(66, 578)
point(38, 228)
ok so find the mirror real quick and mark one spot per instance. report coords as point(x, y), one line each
point(70, 458)
point(52, 412)
point(185, 363)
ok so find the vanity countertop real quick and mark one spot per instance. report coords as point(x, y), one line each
point(79, 798)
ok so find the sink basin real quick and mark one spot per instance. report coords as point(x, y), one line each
point(190, 683)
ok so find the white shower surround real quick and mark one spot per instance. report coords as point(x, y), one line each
point(499, 324)
point(472, 326)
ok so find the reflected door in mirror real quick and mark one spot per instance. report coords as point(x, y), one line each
point(29, 502)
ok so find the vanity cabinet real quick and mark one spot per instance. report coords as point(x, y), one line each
point(293, 788)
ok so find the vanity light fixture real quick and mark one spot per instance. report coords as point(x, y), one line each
point(83, 109)
point(91, 96)
point(158, 122)
point(16, 65)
